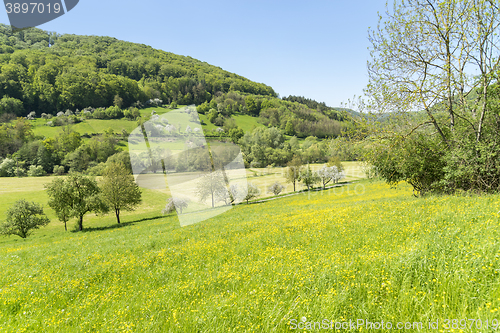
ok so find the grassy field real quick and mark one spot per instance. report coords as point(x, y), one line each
point(265, 177)
point(361, 251)
point(96, 126)
point(246, 122)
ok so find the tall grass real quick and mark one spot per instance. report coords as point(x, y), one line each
point(361, 251)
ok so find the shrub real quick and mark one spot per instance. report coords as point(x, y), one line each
point(22, 218)
point(7, 168)
point(58, 170)
point(11, 105)
point(99, 113)
point(252, 192)
point(36, 171)
point(132, 113)
point(96, 170)
point(113, 112)
point(276, 188)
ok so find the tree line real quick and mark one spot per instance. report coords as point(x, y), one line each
point(293, 117)
point(75, 196)
point(46, 72)
point(24, 154)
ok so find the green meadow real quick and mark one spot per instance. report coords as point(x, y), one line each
point(361, 251)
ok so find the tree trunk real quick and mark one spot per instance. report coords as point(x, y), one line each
point(294, 185)
point(80, 223)
point(65, 226)
point(117, 213)
point(483, 111)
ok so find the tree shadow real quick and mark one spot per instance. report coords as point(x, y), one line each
point(118, 225)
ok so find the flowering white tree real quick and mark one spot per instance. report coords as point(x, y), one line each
point(213, 186)
point(230, 195)
point(175, 204)
point(252, 192)
point(276, 188)
point(329, 173)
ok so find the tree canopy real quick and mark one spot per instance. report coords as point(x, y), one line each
point(436, 63)
point(48, 72)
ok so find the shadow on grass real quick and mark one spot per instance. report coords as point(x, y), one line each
point(118, 225)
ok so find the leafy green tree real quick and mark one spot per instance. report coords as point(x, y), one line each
point(308, 177)
point(292, 172)
point(11, 105)
point(44, 158)
point(122, 157)
point(251, 106)
point(422, 56)
point(174, 204)
point(294, 144)
point(83, 196)
point(22, 218)
point(212, 115)
point(252, 192)
point(289, 128)
point(23, 130)
point(335, 161)
point(58, 170)
point(60, 198)
point(236, 134)
point(119, 190)
point(65, 142)
point(78, 160)
point(8, 168)
point(118, 101)
point(36, 171)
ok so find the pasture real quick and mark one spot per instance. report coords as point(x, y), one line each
point(359, 251)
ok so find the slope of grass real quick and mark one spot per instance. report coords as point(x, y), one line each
point(32, 189)
point(246, 122)
point(362, 251)
point(88, 126)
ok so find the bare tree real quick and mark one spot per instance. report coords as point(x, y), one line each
point(213, 186)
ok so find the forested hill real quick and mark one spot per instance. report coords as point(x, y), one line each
point(48, 72)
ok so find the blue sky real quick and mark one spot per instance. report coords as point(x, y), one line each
point(316, 49)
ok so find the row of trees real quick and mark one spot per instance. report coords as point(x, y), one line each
point(297, 172)
point(73, 197)
point(214, 186)
point(267, 146)
point(22, 153)
point(78, 194)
